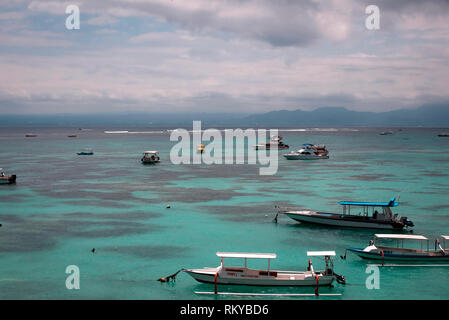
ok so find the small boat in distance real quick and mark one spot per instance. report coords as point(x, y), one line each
point(4, 179)
point(31, 135)
point(443, 135)
point(384, 133)
point(375, 251)
point(365, 215)
point(72, 136)
point(255, 277)
point(308, 152)
point(150, 157)
point(274, 141)
point(200, 148)
point(86, 152)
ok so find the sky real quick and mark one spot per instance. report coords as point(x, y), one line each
point(211, 56)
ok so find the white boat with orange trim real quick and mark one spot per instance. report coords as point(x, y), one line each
point(255, 277)
point(200, 148)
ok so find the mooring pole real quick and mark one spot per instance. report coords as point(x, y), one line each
point(216, 276)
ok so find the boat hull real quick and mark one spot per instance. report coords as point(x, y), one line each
point(304, 157)
point(330, 219)
point(207, 275)
point(8, 179)
point(149, 161)
point(391, 256)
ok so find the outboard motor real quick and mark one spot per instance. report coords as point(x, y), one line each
point(340, 279)
point(406, 222)
point(12, 179)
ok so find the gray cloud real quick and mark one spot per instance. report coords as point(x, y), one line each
point(210, 55)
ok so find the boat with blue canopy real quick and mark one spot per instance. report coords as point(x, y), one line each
point(356, 214)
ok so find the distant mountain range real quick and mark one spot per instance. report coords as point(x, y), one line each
point(426, 116)
point(436, 115)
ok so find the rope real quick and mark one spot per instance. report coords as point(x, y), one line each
point(171, 277)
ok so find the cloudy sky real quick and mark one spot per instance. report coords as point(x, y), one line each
point(221, 55)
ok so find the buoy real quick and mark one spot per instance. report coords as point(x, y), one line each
point(171, 277)
point(93, 250)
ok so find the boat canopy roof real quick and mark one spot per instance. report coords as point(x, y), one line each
point(391, 203)
point(308, 144)
point(246, 255)
point(400, 236)
point(320, 253)
point(154, 151)
point(444, 237)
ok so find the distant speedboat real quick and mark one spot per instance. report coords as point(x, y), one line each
point(150, 157)
point(364, 215)
point(266, 277)
point(86, 152)
point(72, 136)
point(4, 179)
point(31, 135)
point(384, 133)
point(443, 135)
point(376, 251)
point(308, 152)
point(275, 141)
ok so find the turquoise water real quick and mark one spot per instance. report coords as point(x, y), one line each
point(63, 205)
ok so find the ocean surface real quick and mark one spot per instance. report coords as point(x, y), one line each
point(63, 205)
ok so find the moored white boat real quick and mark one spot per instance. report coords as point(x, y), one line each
point(4, 179)
point(275, 142)
point(376, 251)
point(364, 216)
point(150, 157)
point(254, 277)
point(308, 152)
